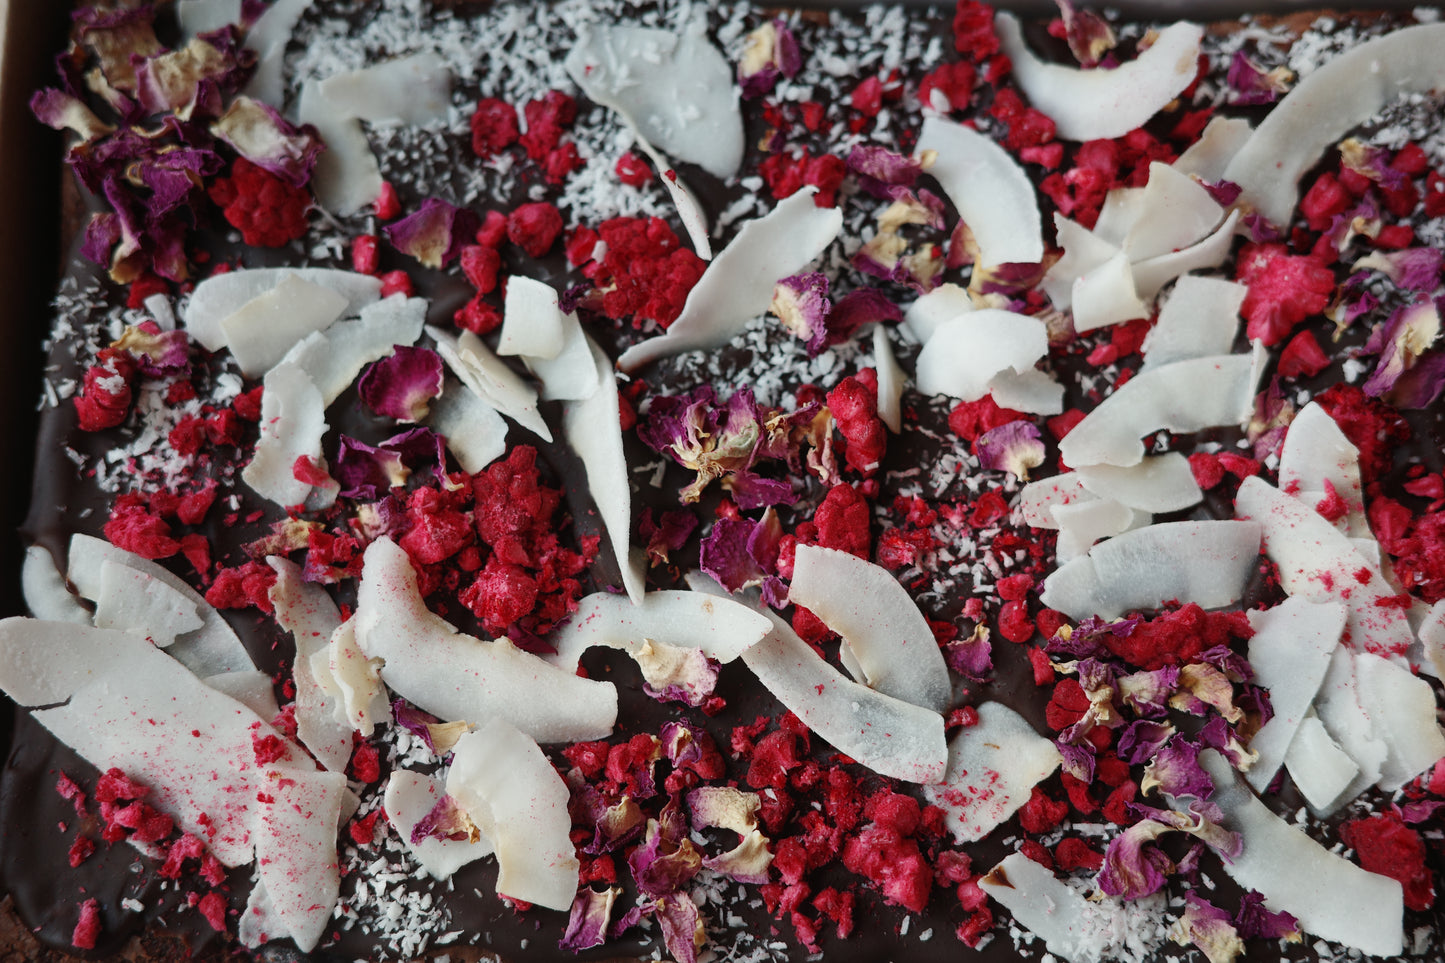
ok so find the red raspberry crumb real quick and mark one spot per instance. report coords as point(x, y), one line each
point(87, 929)
point(841, 521)
point(397, 282)
point(952, 82)
point(633, 170)
point(480, 264)
point(365, 762)
point(268, 211)
point(105, 394)
point(1387, 846)
point(1284, 289)
point(546, 120)
point(80, 850)
point(213, 907)
point(1073, 853)
point(366, 254)
point(387, 205)
point(493, 230)
point(973, 34)
point(855, 410)
point(646, 273)
point(477, 316)
point(1014, 622)
point(534, 227)
point(494, 127)
point(363, 830)
point(133, 528)
point(969, 419)
point(1041, 813)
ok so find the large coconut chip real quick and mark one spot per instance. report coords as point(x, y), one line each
point(261, 332)
point(963, 355)
point(1043, 905)
point(410, 797)
point(720, 628)
point(991, 191)
point(222, 295)
point(1200, 318)
point(46, 595)
point(306, 611)
point(298, 817)
point(1159, 483)
point(136, 602)
point(293, 423)
point(1317, 458)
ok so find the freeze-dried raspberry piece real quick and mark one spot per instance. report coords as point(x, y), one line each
point(105, 394)
point(387, 205)
point(477, 316)
point(949, 85)
point(973, 34)
point(87, 928)
point(1372, 426)
point(1387, 846)
point(134, 528)
point(1027, 127)
point(786, 175)
point(1302, 357)
point(893, 863)
point(969, 419)
point(480, 264)
point(534, 227)
point(242, 587)
point(546, 120)
point(512, 505)
point(633, 170)
point(268, 211)
point(841, 522)
point(646, 273)
point(855, 411)
point(494, 127)
point(81, 849)
point(365, 762)
point(1176, 638)
point(1284, 289)
point(212, 906)
point(501, 594)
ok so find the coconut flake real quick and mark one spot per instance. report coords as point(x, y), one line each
point(1290, 654)
point(1090, 104)
point(203, 16)
point(1402, 707)
point(410, 797)
point(532, 323)
point(891, 380)
point(1159, 483)
point(1200, 319)
point(929, 311)
point(1043, 905)
point(1325, 106)
point(353, 679)
point(572, 374)
point(459, 678)
point(408, 90)
point(213, 649)
point(306, 610)
point(1432, 637)
point(1319, 768)
point(333, 358)
point(965, 354)
point(218, 297)
point(1330, 896)
point(1318, 562)
point(1037, 498)
point(1032, 391)
point(1209, 156)
point(1083, 523)
point(1175, 212)
point(487, 375)
point(136, 602)
point(889, 636)
point(1106, 296)
point(261, 332)
point(1316, 459)
point(347, 176)
point(293, 422)
point(252, 689)
point(268, 36)
point(1084, 251)
point(593, 427)
point(892, 737)
point(476, 434)
point(992, 768)
point(510, 790)
point(44, 588)
point(1206, 562)
point(1152, 274)
point(689, 210)
point(991, 191)
point(1123, 206)
point(297, 820)
point(675, 90)
point(1185, 396)
point(720, 628)
point(1342, 711)
point(738, 285)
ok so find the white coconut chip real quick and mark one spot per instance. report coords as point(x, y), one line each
point(1200, 318)
point(194, 749)
point(1341, 709)
point(259, 920)
point(1122, 208)
point(268, 36)
point(676, 90)
point(1207, 562)
point(738, 285)
point(1175, 212)
point(1037, 498)
point(476, 434)
point(1318, 562)
point(410, 797)
point(1318, 767)
point(1106, 296)
point(864, 604)
point(1159, 483)
point(1083, 523)
point(202, 16)
point(1089, 104)
point(991, 191)
point(1402, 707)
point(720, 628)
point(1152, 274)
point(135, 602)
point(222, 295)
point(356, 680)
point(1032, 391)
point(293, 423)
point(46, 595)
point(1209, 156)
point(892, 737)
point(252, 689)
point(571, 375)
point(1043, 905)
point(483, 372)
point(992, 768)
point(1185, 396)
point(213, 649)
point(593, 428)
point(1290, 654)
point(408, 90)
point(510, 790)
point(965, 354)
point(532, 323)
point(297, 822)
point(464, 679)
point(1330, 896)
point(261, 332)
point(1317, 457)
point(347, 177)
point(1084, 251)
point(306, 610)
point(891, 380)
point(333, 358)
point(689, 210)
point(1325, 106)
point(943, 303)
point(1432, 637)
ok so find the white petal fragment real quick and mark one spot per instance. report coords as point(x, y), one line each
point(1088, 104)
point(1032, 391)
point(306, 611)
point(410, 796)
point(1290, 653)
point(222, 295)
point(1185, 396)
point(1205, 562)
point(1208, 157)
point(991, 191)
point(1159, 483)
point(864, 604)
point(1318, 562)
point(721, 628)
point(571, 375)
point(966, 353)
point(460, 678)
point(1200, 319)
point(675, 90)
point(510, 790)
point(1330, 896)
point(1083, 523)
point(1325, 106)
point(738, 285)
point(1084, 250)
point(593, 429)
point(992, 768)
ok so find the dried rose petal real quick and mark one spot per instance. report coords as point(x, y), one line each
point(400, 386)
point(435, 234)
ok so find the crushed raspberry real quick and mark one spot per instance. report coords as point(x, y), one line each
point(244, 586)
point(1387, 846)
point(973, 34)
point(1284, 289)
point(212, 906)
point(646, 273)
point(547, 119)
point(267, 748)
point(1372, 426)
point(1014, 622)
point(1176, 638)
point(893, 863)
point(561, 162)
point(365, 762)
point(362, 831)
point(134, 528)
point(867, 97)
point(855, 410)
point(493, 230)
point(953, 83)
point(969, 419)
point(87, 928)
point(494, 127)
point(1027, 127)
point(1041, 813)
point(481, 264)
point(1073, 853)
point(366, 254)
point(247, 404)
point(397, 282)
point(841, 522)
point(67, 788)
point(633, 170)
point(477, 316)
point(80, 850)
point(786, 174)
point(387, 205)
point(1326, 199)
point(105, 394)
point(268, 211)
point(534, 227)
point(1302, 357)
